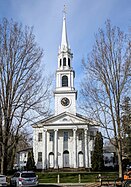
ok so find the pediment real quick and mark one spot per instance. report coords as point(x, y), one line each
point(64, 118)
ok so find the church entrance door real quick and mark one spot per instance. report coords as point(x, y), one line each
point(66, 159)
point(51, 160)
point(81, 160)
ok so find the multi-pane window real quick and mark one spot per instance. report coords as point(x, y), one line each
point(91, 135)
point(65, 136)
point(39, 156)
point(51, 136)
point(64, 61)
point(64, 81)
point(39, 137)
point(80, 136)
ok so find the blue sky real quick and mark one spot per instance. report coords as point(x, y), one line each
point(84, 17)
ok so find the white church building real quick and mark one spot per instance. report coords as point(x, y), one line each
point(65, 139)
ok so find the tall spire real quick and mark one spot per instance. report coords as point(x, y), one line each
point(64, 41)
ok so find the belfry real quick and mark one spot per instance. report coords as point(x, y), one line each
point(65, 139)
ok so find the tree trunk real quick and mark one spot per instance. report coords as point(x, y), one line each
point(120, 168)
point(2, 160)
point(5, 163)
point(13, 156)
point(120, 163)
point(1, 140)
point(5, 144)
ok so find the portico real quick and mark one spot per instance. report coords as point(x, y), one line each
point(65, 144)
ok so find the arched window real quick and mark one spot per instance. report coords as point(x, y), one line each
point(80, 159)
point(69, 62)
point(64, 61)
point(60, 62)
point(80, 152)
point(66, 152)
point(51, 153)
point(51, 160)
point(66, 158)
point(64, 81)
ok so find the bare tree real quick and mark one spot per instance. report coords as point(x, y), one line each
point(24, 90)
point(107, 80)
point(126, 122)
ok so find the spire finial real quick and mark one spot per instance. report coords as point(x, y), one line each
point(64, 11)
point(64, 41)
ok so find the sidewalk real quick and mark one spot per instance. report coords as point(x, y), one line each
point(97, 184)
point(94, 184)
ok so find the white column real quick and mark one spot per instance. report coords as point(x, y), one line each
point(75, 148)
point(35, 151)
point(86, 148)
point(72, 80)
point(69, 78)
point(59, 83)
point(89, 159)
point(56, 148)
point(57, 80)
point(44, 149)
point(88, 152)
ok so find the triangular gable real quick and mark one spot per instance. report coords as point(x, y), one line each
point(63, 118)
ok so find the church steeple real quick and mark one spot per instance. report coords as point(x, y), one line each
point(65, 93)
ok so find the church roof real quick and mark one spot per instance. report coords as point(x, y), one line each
point(64, 118)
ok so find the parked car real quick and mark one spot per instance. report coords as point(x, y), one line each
point(24, 178)
point(3, 180)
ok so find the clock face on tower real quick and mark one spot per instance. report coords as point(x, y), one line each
point(65, 101)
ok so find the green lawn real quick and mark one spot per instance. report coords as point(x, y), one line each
point(74, 177)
